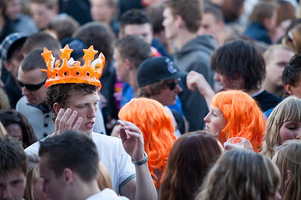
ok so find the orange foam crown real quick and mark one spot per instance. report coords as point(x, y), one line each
point(67, 70)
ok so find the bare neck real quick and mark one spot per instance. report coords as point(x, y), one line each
point(183, 38)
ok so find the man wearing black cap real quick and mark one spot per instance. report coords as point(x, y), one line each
point(11, 57)
point(158, 79)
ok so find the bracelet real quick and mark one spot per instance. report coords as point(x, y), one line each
point(141, 162)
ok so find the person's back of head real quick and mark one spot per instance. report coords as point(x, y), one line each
point(13, 168)
point(73, 150)
point(155, 13)
point(190, 11)
point(232, 10)
point(11, 119)
point(241, 174)
point(286, 111)
point(291, 76)
point(243, 115)
point(41, 40)
point(33, 61)
point(63, 27)
point(190, 158)
point(240, 59)
point(262, 11)
point(285, 11)
point(134, 48)
point(98, 35)
point(34, 182)
point(157, 128)
point(287, 159)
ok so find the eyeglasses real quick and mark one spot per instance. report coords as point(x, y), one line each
point(172, 85)
point(31, 87)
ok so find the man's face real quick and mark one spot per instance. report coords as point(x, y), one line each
point(101, 11)
point(229, 84)
point(275, 65)
point(143, 30)
point(169, 24)
point(13, 9)
point(120, 66)
point(168, 93)
point(12, 186)
point(209, 25)
point(42, 15)
point(86, 106)
point(53, 186)
point(33, 77)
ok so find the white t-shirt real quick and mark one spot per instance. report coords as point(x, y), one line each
point(106, 194)
point(111, 154)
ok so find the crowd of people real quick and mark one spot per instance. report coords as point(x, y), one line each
point(150, 99)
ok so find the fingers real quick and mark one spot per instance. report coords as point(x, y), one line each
point(65, 120)
point(129, 129)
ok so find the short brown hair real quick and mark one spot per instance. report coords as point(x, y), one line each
point(190, 10)
point(262, 10)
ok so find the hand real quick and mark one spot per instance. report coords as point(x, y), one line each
point(132, 139)
point(195, 79)
point(66, 120)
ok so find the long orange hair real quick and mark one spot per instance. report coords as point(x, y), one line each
point(157, 128)
point(243, 115)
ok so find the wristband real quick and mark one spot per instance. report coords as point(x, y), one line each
point(141, 162)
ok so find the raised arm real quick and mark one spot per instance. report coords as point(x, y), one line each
point(197, 80)
point(132, 140)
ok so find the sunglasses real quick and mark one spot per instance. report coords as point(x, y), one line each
point(31, 87)
point(172, 85)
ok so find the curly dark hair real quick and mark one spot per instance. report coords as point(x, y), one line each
point(240, 58)
point(60, 93)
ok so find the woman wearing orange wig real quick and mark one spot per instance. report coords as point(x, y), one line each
point(234, 113)
point(157, 128)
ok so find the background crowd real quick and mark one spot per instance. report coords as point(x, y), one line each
point(180, 80)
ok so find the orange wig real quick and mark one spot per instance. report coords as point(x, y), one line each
point(158, 131)
point(243, 115)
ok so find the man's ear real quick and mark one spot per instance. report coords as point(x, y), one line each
point(128, 64)
point(7, 66)
point(68, 176)
point(288, 89)
point(179, 21)
point(57, 107)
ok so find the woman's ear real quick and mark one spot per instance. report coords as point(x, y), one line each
point(288, 177)
point(57, 107)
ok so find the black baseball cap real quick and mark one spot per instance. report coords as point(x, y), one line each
point(156, 69)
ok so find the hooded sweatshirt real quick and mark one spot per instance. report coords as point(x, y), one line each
point(195, 55)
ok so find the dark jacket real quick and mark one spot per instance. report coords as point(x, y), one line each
point(195, 55)
point(257, 32)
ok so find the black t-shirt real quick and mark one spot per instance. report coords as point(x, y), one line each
point(266, 100)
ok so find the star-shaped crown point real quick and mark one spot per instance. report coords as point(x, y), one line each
point(69, 72)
